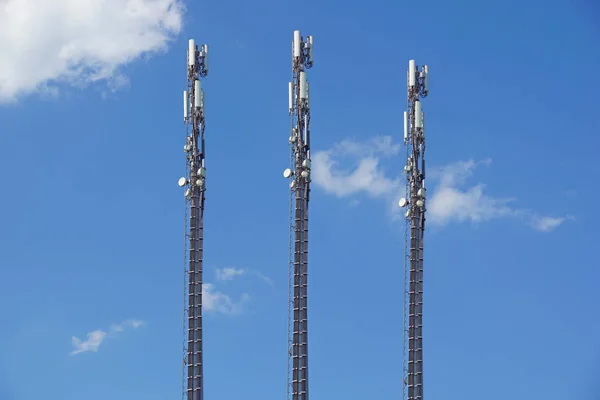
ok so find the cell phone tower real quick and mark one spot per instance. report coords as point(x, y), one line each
point(299, 174)
point(195, 184)
point(414, 139)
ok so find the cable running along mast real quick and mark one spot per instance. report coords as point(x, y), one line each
point(194, 182)
point(414, 139)
point(299, 173)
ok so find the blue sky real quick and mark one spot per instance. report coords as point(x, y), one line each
point(91, 217)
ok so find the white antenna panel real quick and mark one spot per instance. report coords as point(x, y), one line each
point(418, 115)
point(197, 93)
point(205, 50)
point(426, 80)
point(290, 94)
point(185, 104)
point(308, 95)
point(192, 53)
point(311, 51)
point(405, 126)
point(297, 43)
point(303, 91)
point(411, 73)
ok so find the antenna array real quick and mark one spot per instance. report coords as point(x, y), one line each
point(414, 139)
point(195, 184)
point(299, 174)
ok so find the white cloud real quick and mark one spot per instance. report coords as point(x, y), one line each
point(263, 277)
point(92, 343)
point(547, 224)
point(351, 168)
point(216, 301)
point(94, 339)
point(452, 202)
point(227, 274)
point(363, 173)
point(78, 42)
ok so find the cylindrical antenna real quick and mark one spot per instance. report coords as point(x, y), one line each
point(197, 94)
point(303, 85)
point(405, 126)
point(192, 53)
point(297, 44)
point(418, 115)
point(411, 73)
point(205, 51)
point(185, 105)
point(290, 96)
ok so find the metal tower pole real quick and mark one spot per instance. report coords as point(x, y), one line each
point(194, 182)
point(414, 139)
point(299, 173)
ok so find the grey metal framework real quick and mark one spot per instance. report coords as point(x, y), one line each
point(195, 184)
point(414, 139)
point(299, 172)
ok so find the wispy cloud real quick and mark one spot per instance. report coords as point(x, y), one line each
point(350, 168)
point(263, 277)
point(455, 201)
point(547, 224)
point(94, 339)
point(216, 301)
point(90, 41)
point(229, 273)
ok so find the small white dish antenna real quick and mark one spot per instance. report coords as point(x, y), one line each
point(287, 173)
point(182, 182)
point(403, 202)
point(305, 174)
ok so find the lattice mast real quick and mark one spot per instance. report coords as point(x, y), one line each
point(195, 184)
point(299, 174)
point(414, 139)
